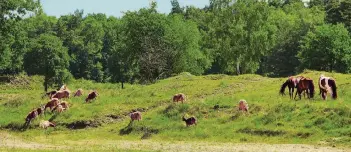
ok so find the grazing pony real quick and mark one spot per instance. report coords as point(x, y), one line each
point(291, 83)
point(52, 103)
point(91, 96)
point(190, 121)
point(31, 115)
point(45, 124)
point(243, 106)
point(135, 116)
point(61, 94)
point(305, 84)
point(179, 97)
point(78, 93)
point(327, 84)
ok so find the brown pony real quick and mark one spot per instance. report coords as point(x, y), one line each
point(78, 93)
point(179, 97)
point(91, 96)
point(305, 84)
point(327, 84)
point(61, 94)
point(291, 83)
point(135, 116)
point(52, 103)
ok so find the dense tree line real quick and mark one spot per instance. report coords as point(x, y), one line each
point(273, 38)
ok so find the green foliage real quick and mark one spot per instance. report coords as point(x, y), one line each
point(326, 48)
point(49, 58)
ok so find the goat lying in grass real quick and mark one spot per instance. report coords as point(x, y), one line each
point(135, 116)
point(190, 121)
point(45, 124)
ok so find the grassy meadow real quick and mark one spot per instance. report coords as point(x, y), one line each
point(272, 118)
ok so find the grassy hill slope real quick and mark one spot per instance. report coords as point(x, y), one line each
point(271, 119)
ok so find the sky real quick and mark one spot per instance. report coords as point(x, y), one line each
point(110, 7)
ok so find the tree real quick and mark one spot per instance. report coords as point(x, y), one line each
point(176, 9)
point(49, 58)
point(292, 21)
point(327, 48)
point(12, 11)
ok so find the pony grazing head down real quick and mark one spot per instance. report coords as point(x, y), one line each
point(327, 85)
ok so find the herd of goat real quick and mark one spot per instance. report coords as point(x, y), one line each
point(57, 105)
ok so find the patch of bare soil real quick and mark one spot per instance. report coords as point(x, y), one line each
point(211, 146)
point(9, 141)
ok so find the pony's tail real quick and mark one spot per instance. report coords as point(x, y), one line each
point(332, 84)
point(311, 88)
point(282, 89)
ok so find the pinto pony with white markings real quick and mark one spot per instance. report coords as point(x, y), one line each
point(327, 84)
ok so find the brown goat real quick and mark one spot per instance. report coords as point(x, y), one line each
point(61, 107)
point(243, 106)
point(78, 93)
point(40, 110)
point(31, 115)
point(52, 103)
point(135, 116)
point(61, 94)
point(45, 124)
point(58, 108)
point(190, 121)
point(179, 97)
point(91, 96)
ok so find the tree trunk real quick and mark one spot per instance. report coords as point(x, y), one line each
point(238, 67)
point(46, 84)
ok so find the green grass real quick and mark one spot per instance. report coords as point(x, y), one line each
point(271, 119)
